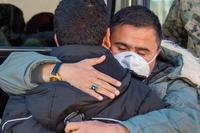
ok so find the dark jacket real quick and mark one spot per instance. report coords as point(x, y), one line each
point(45, 107)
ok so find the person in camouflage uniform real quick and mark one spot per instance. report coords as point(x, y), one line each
point(183, 25)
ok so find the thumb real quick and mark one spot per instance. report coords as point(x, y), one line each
point(72, 127)
point(95, 61)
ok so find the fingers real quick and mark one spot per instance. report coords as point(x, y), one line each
point(104, 92)
point(104, 81)
point(87, 76)
point(95, 94)
point(85, 86)
point(72, 127)
point(105, 89)
point(95, 61)
point(109, 80)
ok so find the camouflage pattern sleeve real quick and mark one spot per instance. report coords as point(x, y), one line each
point(173, 27)
point(183, 25)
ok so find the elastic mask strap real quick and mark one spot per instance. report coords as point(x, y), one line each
point(155, 56)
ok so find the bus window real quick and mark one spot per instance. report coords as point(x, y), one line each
point(24, 23)
point(27, 23)
point(161, 8)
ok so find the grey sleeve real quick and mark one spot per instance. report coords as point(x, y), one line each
point(182, 116)
point(15, 71)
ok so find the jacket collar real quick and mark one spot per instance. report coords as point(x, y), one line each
point(187, 66)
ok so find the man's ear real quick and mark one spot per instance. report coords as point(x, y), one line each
point(56, 40)
point(106, 40)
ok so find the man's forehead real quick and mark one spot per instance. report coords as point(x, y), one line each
point(134, 37)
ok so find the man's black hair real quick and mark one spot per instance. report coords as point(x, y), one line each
point(137, 16)
point(81, 21)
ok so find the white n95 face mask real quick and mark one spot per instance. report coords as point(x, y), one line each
point(134, 62)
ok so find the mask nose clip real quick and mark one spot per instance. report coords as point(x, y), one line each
point(134, 62)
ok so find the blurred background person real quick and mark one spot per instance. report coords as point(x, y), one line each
point(12, 23)
point(39, 30)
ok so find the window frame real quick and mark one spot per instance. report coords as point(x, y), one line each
point(145, 3)
point(6, 50)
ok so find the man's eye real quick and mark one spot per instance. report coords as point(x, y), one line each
point(122, 48)
point(141, 53)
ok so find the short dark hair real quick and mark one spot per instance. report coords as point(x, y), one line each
point(137, 16)
point(81, 21)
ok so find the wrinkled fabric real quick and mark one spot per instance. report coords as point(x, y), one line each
point(15, 77)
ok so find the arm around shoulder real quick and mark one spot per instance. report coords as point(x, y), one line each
point(16, 70)
point(183, 115)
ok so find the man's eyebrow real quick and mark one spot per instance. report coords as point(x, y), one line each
point(142, 49)
point(121, 43)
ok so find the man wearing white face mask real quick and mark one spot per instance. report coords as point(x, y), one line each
point(135, 62)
